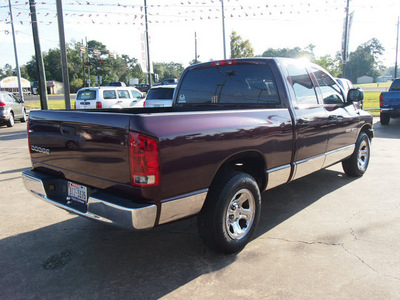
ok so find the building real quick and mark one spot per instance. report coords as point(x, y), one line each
point(10, 84)
point(365, 79)
point(53, 87)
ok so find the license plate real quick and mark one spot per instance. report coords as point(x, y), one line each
point(77, 192)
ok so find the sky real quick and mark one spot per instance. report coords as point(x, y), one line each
point(172, 25)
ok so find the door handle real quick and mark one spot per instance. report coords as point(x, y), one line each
point(304, 121)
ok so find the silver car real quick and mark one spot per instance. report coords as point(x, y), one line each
point(11, 109)
point(160, 96)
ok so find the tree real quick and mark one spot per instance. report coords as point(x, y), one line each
point(295, 52)
point(365, 61)
point(168, 70)
point(332, 65)
point(240, 48)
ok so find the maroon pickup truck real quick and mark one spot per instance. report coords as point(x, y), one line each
point(236, 128)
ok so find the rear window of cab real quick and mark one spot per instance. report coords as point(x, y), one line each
point(229, 84)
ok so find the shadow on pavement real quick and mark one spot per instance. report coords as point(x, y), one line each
point(78, 258)
point(391, 131)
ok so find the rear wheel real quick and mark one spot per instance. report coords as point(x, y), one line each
point(356, 165)
point(10, 122)
point(385, 118)
point(231, 213)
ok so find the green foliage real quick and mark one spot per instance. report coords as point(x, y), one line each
point(240, 48)
point(365, 61)
point(295, 52)
point(168, 70)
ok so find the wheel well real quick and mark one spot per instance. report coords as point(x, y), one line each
point(251, 163)
point(368, 130)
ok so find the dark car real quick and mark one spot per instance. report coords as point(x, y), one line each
point(11, 109)
point(143, 87)
point(115, 83)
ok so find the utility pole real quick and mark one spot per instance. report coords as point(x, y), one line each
point(21, 94)
point(346, 42)
point(397, 49)
point(44, 103)
point(64, 62)
point(147, 44)
point(223, 27)
point(195, 48)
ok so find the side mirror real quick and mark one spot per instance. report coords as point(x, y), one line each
point(355, 95)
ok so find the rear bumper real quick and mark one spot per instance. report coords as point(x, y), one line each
point(114, 210)
point(138, 216)
point(392, 112)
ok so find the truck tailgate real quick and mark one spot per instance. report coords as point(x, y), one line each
point(391, 99)
point(90, 148)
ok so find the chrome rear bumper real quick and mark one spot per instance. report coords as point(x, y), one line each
point(110, 209)
point(138, 216)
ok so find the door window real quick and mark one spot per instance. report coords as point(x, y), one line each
point(302, 84)
point(330, 90)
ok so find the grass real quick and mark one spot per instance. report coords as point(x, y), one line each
point(374, 85)
point(53, 104)
point(371, 101)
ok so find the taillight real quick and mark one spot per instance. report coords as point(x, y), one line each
point(381, 100)
point(75, 105)
point(226, 62)
point(2, 105)
point(99, 105)
point(144, 160)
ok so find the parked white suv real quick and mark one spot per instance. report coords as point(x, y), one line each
point(108, 97)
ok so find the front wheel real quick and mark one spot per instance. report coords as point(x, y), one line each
point(231, 213)
point(356, 165)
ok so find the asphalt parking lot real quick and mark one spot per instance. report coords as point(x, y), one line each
point(325, 236)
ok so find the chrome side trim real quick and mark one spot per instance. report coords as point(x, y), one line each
point(308, 166)
point(183, 206)
point(278, 176)
point(141, 217)
point(337, 155)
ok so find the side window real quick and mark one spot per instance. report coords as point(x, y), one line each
point(136, 94)
point(302, 84)
point(249, 84)
point(123, 94)
point(331, 93)
point(109, 95)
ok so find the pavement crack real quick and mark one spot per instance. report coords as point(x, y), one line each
point(306, 242)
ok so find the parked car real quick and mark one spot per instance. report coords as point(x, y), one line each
point(108, 97)
point(143, 87)
point(167, 82)
point(160, 96)
point(347, 85)
point(115, 83)
point(11, 109)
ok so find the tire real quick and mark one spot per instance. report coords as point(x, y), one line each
point(385, 118)
point(356, 165)
point(231, 213)
point(23, 119)
point(10, 122)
